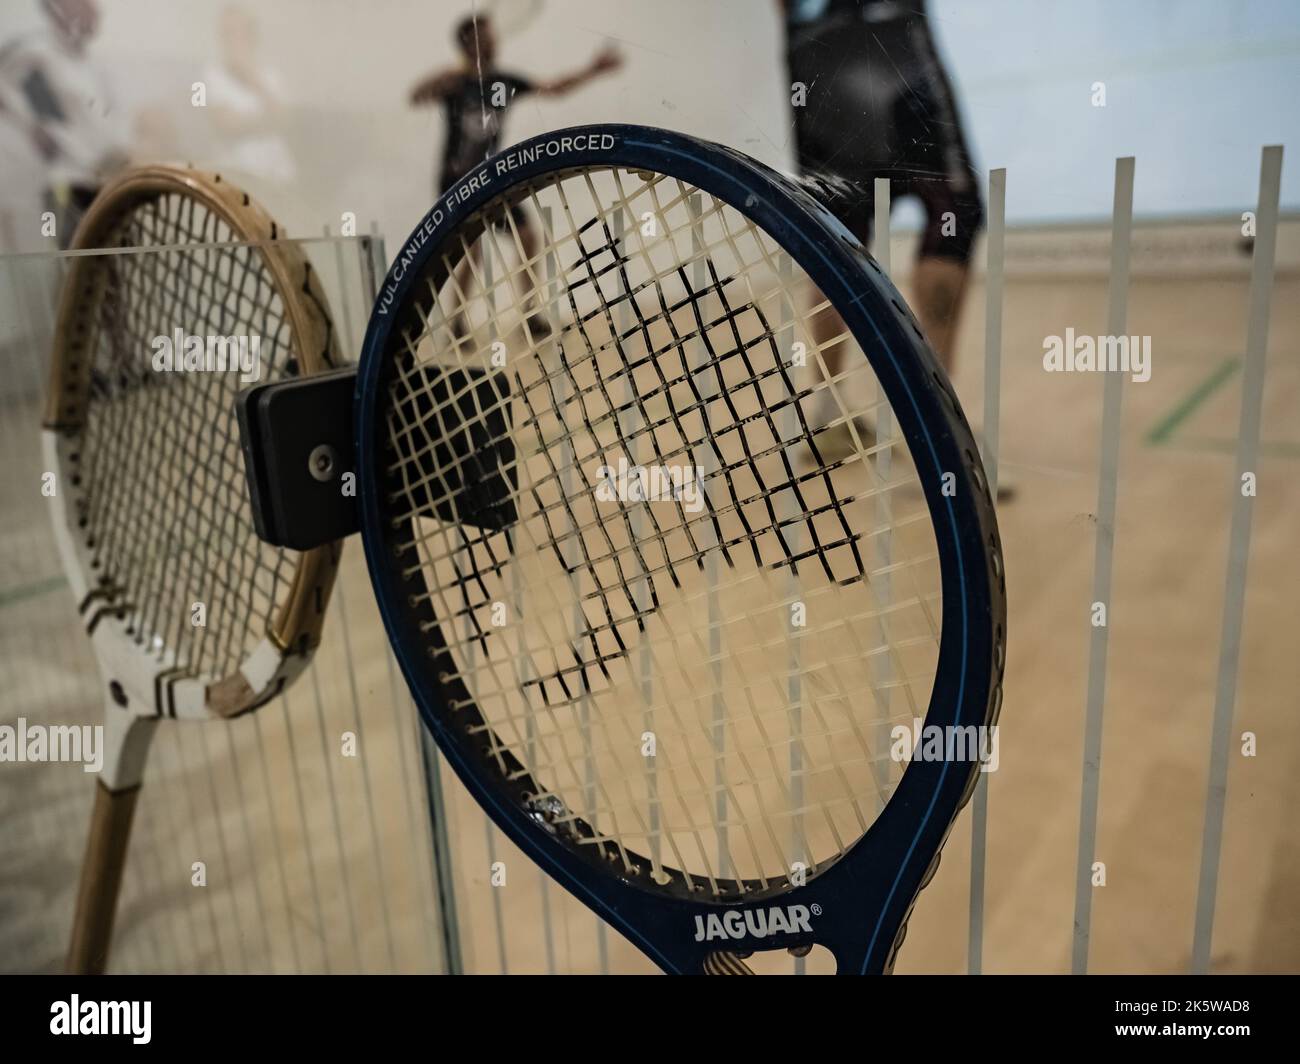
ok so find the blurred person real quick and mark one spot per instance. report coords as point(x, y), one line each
point(244, 97)
point(880, 104)
point(59, 104)
point(475, 95)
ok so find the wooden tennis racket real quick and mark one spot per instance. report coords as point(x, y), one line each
point(191, 615)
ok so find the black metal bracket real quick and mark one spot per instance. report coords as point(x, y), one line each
point(299, 458)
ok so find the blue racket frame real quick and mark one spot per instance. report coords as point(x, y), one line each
point(856, 906)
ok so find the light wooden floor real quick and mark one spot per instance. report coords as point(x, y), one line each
point(362, 841)
point(1170, 562)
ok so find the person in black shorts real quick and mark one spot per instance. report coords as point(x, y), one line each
point(878, 103)
point(475, 96)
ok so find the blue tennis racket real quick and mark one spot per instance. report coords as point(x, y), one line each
point(683, 543)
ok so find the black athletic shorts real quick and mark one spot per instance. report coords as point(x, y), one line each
point(878, 103)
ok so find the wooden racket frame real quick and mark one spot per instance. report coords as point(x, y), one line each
point(142, 689)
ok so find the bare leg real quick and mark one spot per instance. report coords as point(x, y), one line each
point(528, 242)
point(535, 321)
point(840, 426)
point(463, 278)
point(939, 288)
point(826, 326)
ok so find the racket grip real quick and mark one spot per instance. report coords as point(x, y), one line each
point(101, 876)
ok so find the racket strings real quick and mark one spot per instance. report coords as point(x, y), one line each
point(633, 624)
point(474, 598)
point(547, 380)
point(571, 674)
point(496, 563)
point(190, 515)
point(420, 452)
point(152, 593)
point(166, 507)
point(668, 649)
point(655, 389)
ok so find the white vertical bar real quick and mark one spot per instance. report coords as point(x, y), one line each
point(882, 585)
point(704, 460)
point(786, 507)
point(490, 297)
point(994, 271)
point(1107, 487)
point(629, 424)
point(440, 870)
point(1234, 596)
point(881, 190)
point(571, 554)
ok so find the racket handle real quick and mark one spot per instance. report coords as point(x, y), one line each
point(101, 876)
point(722, 963)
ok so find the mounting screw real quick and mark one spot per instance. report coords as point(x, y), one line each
point(321, 462)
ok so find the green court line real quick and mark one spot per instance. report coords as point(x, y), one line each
point(8, 596)
point(1168, 425)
